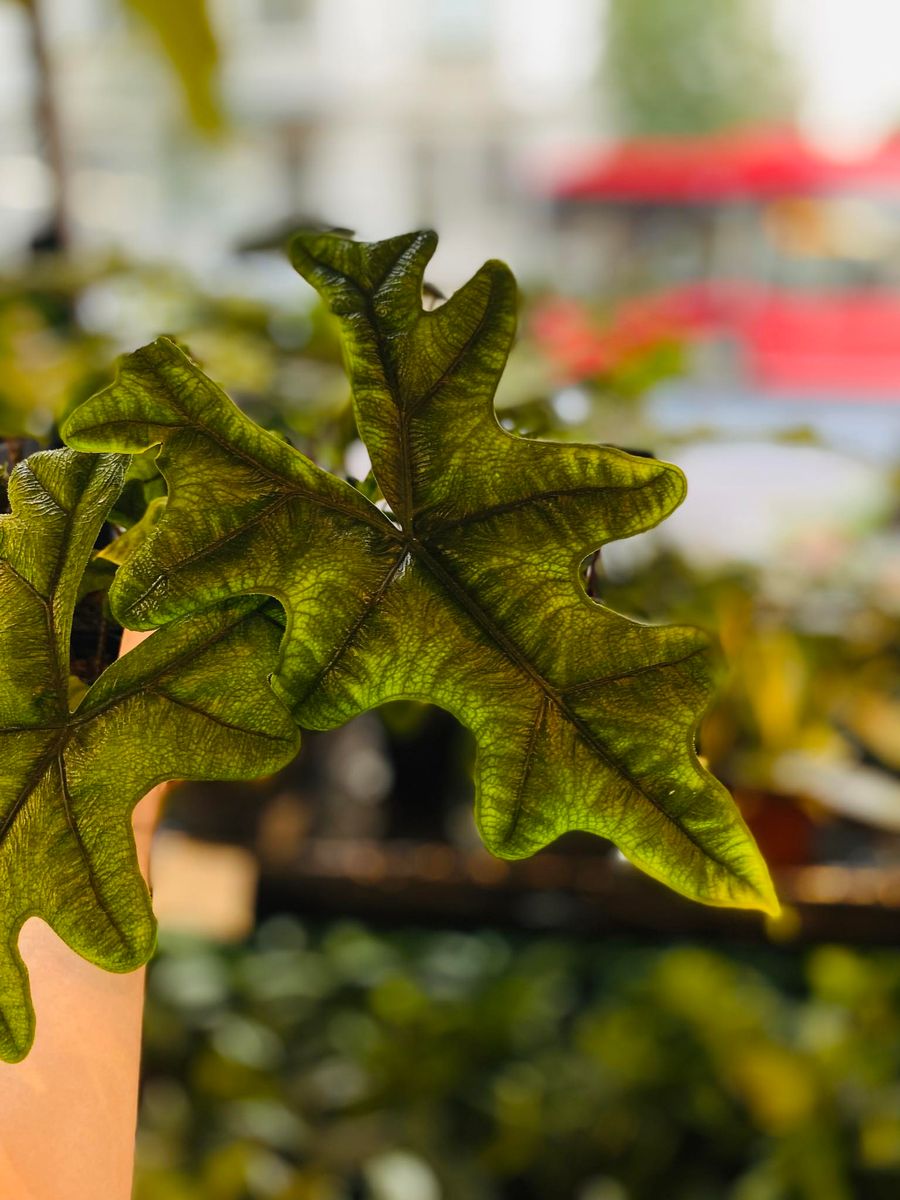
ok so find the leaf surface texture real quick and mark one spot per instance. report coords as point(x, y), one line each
point(466, 593)
point(192, 701)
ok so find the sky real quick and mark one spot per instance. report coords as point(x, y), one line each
point(848, 56)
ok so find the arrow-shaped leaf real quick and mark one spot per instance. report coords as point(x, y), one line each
point(190, 702)
point(468, 595)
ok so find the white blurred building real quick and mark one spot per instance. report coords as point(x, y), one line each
point(379, 116)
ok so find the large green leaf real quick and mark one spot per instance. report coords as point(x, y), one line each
point(192, 701)
point(467, 595)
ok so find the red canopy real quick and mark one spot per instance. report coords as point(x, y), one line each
point(726, 167)
point(798, 343)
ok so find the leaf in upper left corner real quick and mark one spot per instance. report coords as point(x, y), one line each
point(70, 779)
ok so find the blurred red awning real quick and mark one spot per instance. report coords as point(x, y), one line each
point(793, 342)
point(735, 166)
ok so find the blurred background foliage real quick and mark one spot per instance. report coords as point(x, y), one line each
point(685, 67)
point(339, 1061)
point(701, 280)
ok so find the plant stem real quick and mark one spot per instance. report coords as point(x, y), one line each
point(49, 126)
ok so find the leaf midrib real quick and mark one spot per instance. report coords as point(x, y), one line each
point(464, 600)
point(471, 606)
point(284, 482)
point(350, 636)
point(407, 514)
point(258, 518)
point(499, 510)
point(82, 850)
point(374, 518)
point(450, 584)
point(79, 718)
point(58, 630)
point(57, 746)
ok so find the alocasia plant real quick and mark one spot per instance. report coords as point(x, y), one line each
point(462, 588)
point(192, 701)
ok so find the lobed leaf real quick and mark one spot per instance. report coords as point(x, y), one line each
point(192, 701)
point(467, 594)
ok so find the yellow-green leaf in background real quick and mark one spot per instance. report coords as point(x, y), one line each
point(185, 34)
